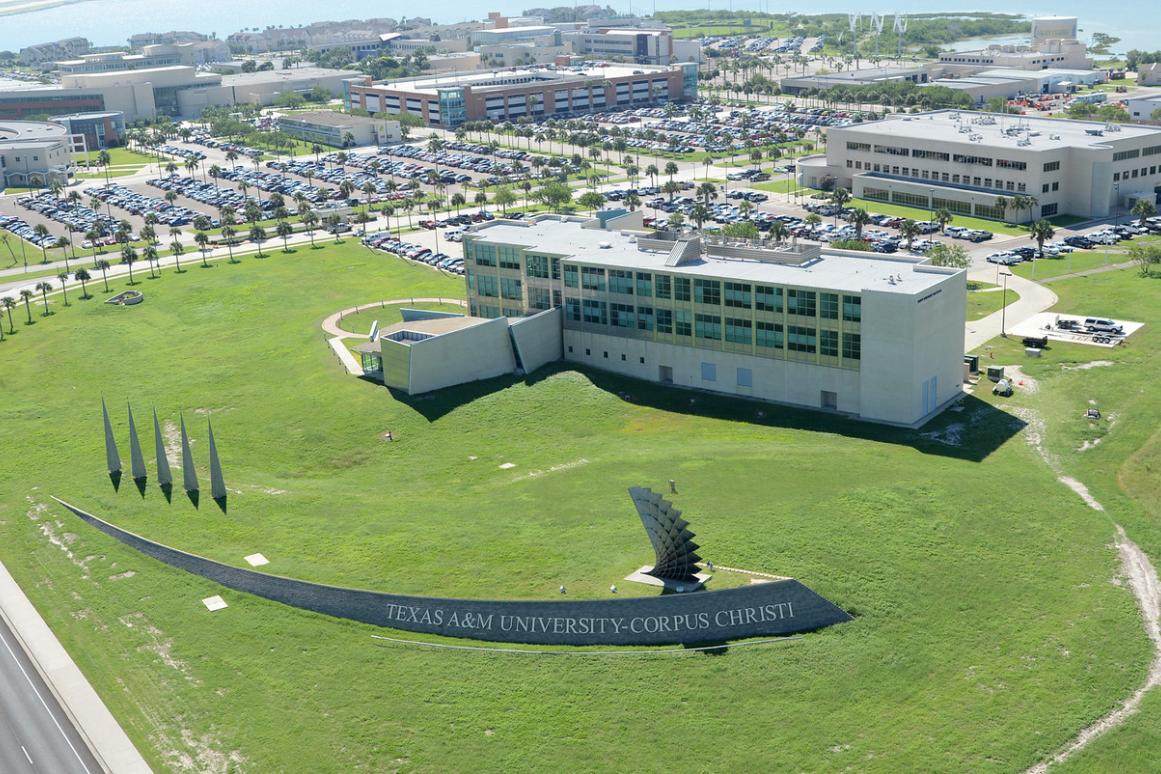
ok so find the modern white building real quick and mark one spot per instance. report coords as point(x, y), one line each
point(873, 337)
point(339, 130)
point(1053, 43)
point(965, 162)
point(1142, 109)
point(33, 153)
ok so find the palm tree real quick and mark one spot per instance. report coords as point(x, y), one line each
point(839, 197)
point(258, 234)
point(859, 219)
point(41, 231)
point(909, 229)
point(26, 296)
point(632, 201)
point(215, 173)
point(203, 240)
point(284, 230)
point(151, 257)
point(309, 221)
point(651, 172)
point(103, 266)
point(62, 244)
point(44, 287)
point(1002, 204)
point(707, 191)
point(1042, 231)
point(670, 188)
point(943, 216)
point(103, 159)
point(228, 233)
point(82, 276)
point(778, 231)
point(178, 248)
point(671, 169)
point(9, 303)
point(700, 214)
point(64, 278)
point(129, 257)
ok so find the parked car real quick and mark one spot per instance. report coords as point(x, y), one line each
point(1102, 325)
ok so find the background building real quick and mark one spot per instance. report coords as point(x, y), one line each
point(1149, 74)
point(339, 130)
point(1141, 109)
point(536, 93)
point(965, 162)
point(33, 154)
point(878, 338)
point(93, 131)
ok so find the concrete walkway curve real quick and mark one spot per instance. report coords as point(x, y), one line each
point(337, 344)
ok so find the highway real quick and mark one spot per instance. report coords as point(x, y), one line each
point(35, 734)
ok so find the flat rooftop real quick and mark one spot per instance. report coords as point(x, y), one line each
point(841, 273)
point(326, 118)
point(483, 80)
point(279, 76)
point(996, 130)
point(30, 131)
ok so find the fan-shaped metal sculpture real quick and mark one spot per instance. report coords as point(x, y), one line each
point(669, 533)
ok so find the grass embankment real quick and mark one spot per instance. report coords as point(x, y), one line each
point(984, 299)
point(1076, 261)
point(986, 632)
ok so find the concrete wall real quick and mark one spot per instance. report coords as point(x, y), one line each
point(897, 361)
point(762, 609)
point(537, 339)
point(782, 381)
point(467, 355)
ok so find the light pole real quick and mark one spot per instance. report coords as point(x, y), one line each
point(1004, 308)
point(1116, 204)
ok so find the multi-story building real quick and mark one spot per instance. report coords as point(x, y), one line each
point(875, 337)
point(93, 131)
point(966, 162)
point(153, 55)
point(22, 99)
point(536, 93)
point(57, 49)
point(1145, 109)
point(33, 153)
point(339, 129)
point(633, 44)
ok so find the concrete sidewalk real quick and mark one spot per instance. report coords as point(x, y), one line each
point(92, 719)
point(1034, 298)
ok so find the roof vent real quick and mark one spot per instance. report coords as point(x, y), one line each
point(604, 245)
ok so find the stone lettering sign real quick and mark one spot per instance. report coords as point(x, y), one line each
point(757, 610)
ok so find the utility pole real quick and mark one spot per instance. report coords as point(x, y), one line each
point(1004, 309)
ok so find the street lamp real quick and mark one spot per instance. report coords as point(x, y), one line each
point(1004, 308)
point(1117, 204)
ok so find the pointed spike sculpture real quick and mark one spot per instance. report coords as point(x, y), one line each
point(217, 484)
point(669, 534)
point(112, 457)
point(189, 474)
point(136, 460)
point(164, 476)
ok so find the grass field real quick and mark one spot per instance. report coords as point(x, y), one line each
point(987, 630)
point(117, 157)
point(1078, 260)
point(986, 299)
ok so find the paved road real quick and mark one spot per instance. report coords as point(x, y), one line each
point(35, 734)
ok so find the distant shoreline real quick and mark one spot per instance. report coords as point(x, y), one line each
point(14, 7)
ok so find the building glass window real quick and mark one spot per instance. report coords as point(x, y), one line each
point(487, 286)
point(644, 284)
point(707, 292)
point(572, 309)
point(853, 308)
point(596, 312)
point(536, 266)
point(737, 295)
point(644, 318)
point(571, 277)
point(852, 346)
point(664, 286)
point(799, 339)
point(592, 278)
point(767, 299)
point(485, 255)
point(682, 323)
point(768, 334)
point(621, 281)
point(708, 326)
point(800, 302)
point(745, 377)
point(538, 298)
point(828, 343)
point(828, 304)
point(738, 331)
point(510, 288)
point(509, 257)
point(664, 321)
point(622, 316)
point(709, 372)
point(680, 289)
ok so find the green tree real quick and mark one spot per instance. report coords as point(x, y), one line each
point(103, 266)
point(82, 276)
point(504, 197)
point(258, 234)
point(177, 248)
point(129, 257)
point(943, 216)
point(151, 257)
point(554, 194)
point(591, 200)
point(309, 221)
point(26, 296)
point(44, 287)
point(1143, 208)
point(952, 256)
point(1146, 256)
point(64, 278)
point(839, 197)
point(284, 230)
point(228, 233)
point(859, 219)
point(203, 242)
point(9, 303)
point(1041, 232)
point(909, 229)
point(744, 230)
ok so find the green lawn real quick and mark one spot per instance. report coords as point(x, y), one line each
point(1078, 260)
point(117, 157)
point(920, 213)
point(987, 631)
point(986, 299)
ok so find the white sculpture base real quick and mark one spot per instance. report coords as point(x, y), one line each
point(642, 576)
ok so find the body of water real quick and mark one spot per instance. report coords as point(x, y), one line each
point(110, 22)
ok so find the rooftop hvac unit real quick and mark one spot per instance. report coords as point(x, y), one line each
point(604, 245)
